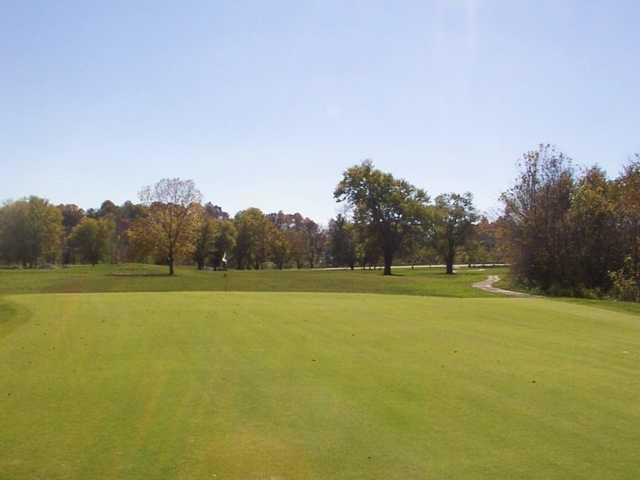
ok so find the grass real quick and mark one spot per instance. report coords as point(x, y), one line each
point(506, 282)
point(151, 278)
point(264, 385)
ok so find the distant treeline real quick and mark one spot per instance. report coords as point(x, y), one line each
point(564, 231)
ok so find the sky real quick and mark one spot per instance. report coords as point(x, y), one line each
point(265, 104)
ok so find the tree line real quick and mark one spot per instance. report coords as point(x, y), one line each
point(387, 221)
point(564, 230)
point(573, 231)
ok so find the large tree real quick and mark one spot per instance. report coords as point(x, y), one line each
point(30, 232)
point(172, 216)
point(453, 219)
point(252, 242)
point(594, 247)
point(388, 208)
point(538, 221)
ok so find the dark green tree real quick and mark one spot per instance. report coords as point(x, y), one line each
point(388, 208)
point(90, 239)
point(453, 218)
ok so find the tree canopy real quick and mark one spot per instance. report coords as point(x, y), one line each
point(386, 207)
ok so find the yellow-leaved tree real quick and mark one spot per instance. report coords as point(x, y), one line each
point(172, 217)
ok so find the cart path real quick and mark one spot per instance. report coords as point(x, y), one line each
point(487, 286)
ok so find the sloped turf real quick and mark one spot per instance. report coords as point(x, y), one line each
point(202, 385)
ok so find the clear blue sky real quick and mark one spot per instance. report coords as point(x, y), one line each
point(266, 103)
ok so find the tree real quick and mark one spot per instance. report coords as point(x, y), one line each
point(30, 232)
point(204, 242)
point(484, 244)
point(128, 214)
point(224, 240)
point(90, 238)
point(341, 242)
point(627, 210)
point(13, 232)
point(453, 219)
point(278, 246)
point(215, 212)
point(313, 238)
point(413, 248)
point(172, 215)
point(108, 209)
point(386, 207)
point(297, 246)
point(368, 246)
point(592, 220)
point(303, 236)
point(72, 215)
point(251, 242)
point(625, 276)
point(142, 240)
point(537, 220)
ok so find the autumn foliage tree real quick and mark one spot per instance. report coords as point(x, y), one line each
point(574, 232)
point(537, 210)
point(172, 217)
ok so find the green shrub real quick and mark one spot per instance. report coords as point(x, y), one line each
point(626, 282)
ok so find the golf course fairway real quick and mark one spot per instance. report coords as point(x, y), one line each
point(204, 385)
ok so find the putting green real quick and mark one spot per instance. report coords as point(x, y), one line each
point(194, 385)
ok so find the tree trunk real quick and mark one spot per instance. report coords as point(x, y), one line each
point(449, 261)
point(450, 258)
point(388, 260)
point(171, 271)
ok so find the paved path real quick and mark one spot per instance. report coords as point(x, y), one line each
point(475, 266)
point(487, 286)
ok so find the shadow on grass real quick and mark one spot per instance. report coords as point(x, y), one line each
point(12, 316)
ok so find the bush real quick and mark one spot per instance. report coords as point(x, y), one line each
point(626, 282)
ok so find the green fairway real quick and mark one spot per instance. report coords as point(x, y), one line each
point(202, 385)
